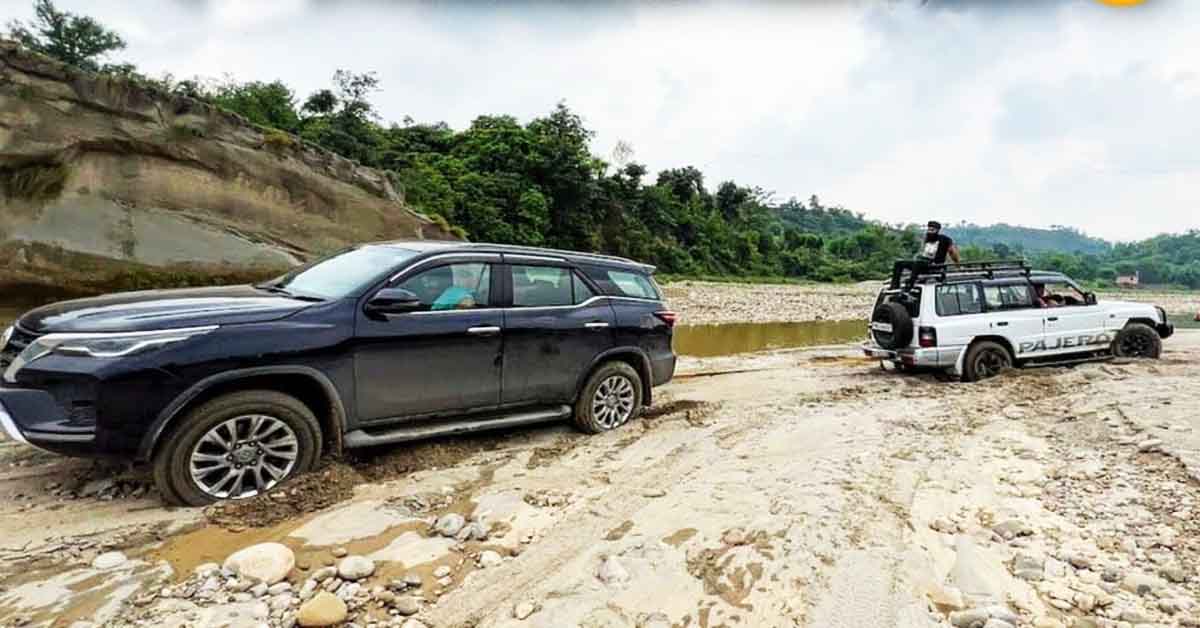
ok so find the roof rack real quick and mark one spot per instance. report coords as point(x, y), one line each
point(984, 270)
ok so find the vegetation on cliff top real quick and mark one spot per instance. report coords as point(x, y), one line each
point(539, 184)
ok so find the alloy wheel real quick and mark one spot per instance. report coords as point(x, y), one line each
point(613, 402)
point(244, 456)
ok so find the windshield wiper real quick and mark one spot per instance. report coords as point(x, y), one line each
point(275, 289)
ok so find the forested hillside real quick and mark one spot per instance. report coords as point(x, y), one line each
point(1029, 239)
point(539, 183)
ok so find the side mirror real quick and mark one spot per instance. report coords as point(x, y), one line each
point(1090, 298)
point(393, 301)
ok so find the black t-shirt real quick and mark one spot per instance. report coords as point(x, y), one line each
point(935, 250)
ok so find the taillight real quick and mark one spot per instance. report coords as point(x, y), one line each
point(667, 317)
point(927, 337)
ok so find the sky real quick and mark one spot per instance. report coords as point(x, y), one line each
point(1054, 112)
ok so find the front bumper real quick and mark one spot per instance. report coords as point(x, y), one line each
point(1166, 330)
point(35, 418)
point(933, 357)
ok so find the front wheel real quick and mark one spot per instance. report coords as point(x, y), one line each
point(985, 359)
point(237, 446)
point(611, 397)
point(1137, 340)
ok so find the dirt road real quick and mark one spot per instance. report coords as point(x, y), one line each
point(797, 488)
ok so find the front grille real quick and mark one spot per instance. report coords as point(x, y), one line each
point(16, 344)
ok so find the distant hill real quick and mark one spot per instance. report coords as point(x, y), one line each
point(1029, 239)
point(814, 218)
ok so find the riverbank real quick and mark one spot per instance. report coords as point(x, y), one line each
point(708, 303)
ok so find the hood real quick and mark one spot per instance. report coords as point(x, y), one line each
point(161, 309)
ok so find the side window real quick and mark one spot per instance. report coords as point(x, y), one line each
point(541, 286)
point(1012, 297)
point(582, 291)
point(958, 299)
point(633, 284)
point(452, 287)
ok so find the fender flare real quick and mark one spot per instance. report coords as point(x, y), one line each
point(646, 372)
point(168, 414)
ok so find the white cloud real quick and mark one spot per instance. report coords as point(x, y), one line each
point(1055, 112)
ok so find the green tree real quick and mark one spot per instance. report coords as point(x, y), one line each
point(75, 39)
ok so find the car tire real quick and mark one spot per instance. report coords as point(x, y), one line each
point(985, 359)
point(896, 315)
point(611, 398)
point(262, 438)
point(1137, 340)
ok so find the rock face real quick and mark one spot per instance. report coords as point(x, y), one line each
point(99, 172)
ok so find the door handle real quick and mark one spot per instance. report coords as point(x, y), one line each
point(597, 325)
point(484, 331)
point(1002, 324)
point(1052, 319)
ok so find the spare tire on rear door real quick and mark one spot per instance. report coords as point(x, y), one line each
point(891, 326)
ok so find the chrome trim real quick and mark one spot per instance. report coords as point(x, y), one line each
point(10, 426)
point(488, 330)
point(488, 258)
point(527, 308)
point(596, 325)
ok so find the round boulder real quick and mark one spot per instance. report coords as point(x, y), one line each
point(355, 568)
point(265, 562)
point(324, 609)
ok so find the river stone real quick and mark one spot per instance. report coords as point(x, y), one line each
point(449, 524)
point(523, 610)
point(407, 605)
point(355, 567)
point(612, 572)
point(265, 562)
point(109, 560)
point(974, 618)
point(324, 609)
point(412, 623)
point(489, 558)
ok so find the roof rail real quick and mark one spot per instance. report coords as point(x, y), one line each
point(533, 250)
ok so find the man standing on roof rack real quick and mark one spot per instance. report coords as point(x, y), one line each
point(937, 246)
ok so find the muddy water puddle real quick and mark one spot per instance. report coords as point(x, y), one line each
point(705, 341)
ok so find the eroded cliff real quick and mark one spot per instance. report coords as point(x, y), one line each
point(105, 182)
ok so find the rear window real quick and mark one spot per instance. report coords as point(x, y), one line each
point(623, 283)
point(956, 299)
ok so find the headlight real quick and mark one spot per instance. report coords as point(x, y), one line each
point(113, 345)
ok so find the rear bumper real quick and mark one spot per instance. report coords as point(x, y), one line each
point(35, 418)
point(934, 357)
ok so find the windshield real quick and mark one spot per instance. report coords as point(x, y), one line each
point(344, 273)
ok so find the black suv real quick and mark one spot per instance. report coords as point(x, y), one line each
point(229, 391)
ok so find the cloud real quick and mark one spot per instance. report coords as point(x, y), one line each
point(1034, 112)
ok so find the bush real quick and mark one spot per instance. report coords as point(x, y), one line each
point(278, 141)
point(33, 183)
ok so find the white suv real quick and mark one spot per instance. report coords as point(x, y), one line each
point(975, 320)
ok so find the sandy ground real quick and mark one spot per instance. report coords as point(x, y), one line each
point(703, 303)
point(792, 488)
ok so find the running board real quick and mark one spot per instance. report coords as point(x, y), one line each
point(424, 429)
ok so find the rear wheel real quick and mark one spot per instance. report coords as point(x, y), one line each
point(985, 359)
point(1137, 340)
point(611, 397)
point(236, 446)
